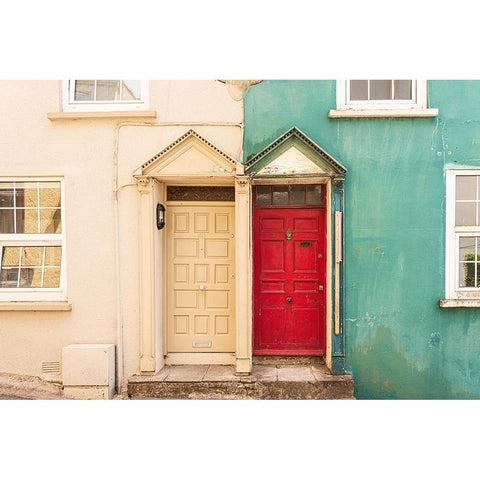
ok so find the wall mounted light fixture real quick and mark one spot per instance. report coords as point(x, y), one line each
point(160, 216)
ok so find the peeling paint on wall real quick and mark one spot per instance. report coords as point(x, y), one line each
point(399, 343)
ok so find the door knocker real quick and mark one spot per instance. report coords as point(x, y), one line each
point(289, 235)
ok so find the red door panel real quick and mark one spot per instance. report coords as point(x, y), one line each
point(273, 254)
point(306, 328)
point(289, 281)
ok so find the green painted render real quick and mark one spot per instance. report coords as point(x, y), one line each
point(399, 342)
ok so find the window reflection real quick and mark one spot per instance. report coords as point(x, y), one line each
point(295, 195)
point(107, 90)
point(31, 267)
point(30, 207)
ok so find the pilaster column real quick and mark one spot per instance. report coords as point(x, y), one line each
point(243, 288)
point(338, 297)
point(146, 274)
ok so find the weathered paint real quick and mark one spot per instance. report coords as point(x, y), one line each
point(338, 293)
point(399, 343)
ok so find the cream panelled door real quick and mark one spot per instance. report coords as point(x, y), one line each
point(201, 293)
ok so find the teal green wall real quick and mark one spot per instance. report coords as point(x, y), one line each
point(399, 343)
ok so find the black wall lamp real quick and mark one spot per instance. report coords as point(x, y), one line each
point(160, 216)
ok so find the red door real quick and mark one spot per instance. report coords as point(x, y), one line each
point(289, 281)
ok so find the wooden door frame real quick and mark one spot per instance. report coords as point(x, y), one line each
point(174, 165)
point(153, 265)
point(191, 358)
point(311, 180)
point(323, 275)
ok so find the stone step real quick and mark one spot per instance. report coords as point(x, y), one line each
point(287, 360)
point(289, 382)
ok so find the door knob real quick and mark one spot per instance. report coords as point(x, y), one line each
point(289, 299)
point(202, 287)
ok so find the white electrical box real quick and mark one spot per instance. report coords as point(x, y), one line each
point(89, 371)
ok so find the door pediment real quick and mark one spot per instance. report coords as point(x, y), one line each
point(189, 156)
point(294, 154)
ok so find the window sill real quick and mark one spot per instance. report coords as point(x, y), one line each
point(459, 303)
point(401, 112)
point(53, 116)
point(35, 306)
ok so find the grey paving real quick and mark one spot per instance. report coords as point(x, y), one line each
point(274, 380)
point(186, 373)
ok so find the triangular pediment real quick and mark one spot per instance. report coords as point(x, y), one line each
point(294, 154)
point(189, 155)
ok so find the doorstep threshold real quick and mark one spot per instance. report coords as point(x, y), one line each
point(283, 382)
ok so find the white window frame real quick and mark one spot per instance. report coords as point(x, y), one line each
point(72, 105)
point(418, 101)
point(453, 233)
point(37, 239)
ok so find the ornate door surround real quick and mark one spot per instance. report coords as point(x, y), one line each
point(294, 159)
point(189, 160)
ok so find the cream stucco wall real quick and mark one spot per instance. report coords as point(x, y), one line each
point(95, 157)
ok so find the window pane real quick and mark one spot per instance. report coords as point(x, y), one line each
point(467, 249)
point(108, 90)
point(297, 194)
point(84, 90)
point(11, 257)
point(50, 221)
point(30, 277)
point(468, 266)
point(32, 256)
point(38, 267)
point(7, 221)
point(51, 278)
point(26, 194)
point(314, 194)
point(8, 277)
point(263, 196)
point(50, 194)
point(27, 220)
point(358, 89)
point(6, 195)
point(280, 195)
point(200, 194)
point(466, 187)
point(53, 256)
point(466, 275)
point(402, 89)
point(131, 89)
point(465, 213)
point(380, 89)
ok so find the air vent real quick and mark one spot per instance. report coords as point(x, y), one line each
point(51, 368)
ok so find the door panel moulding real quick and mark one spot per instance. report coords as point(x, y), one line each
point(289, 267)
point(201, 293)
